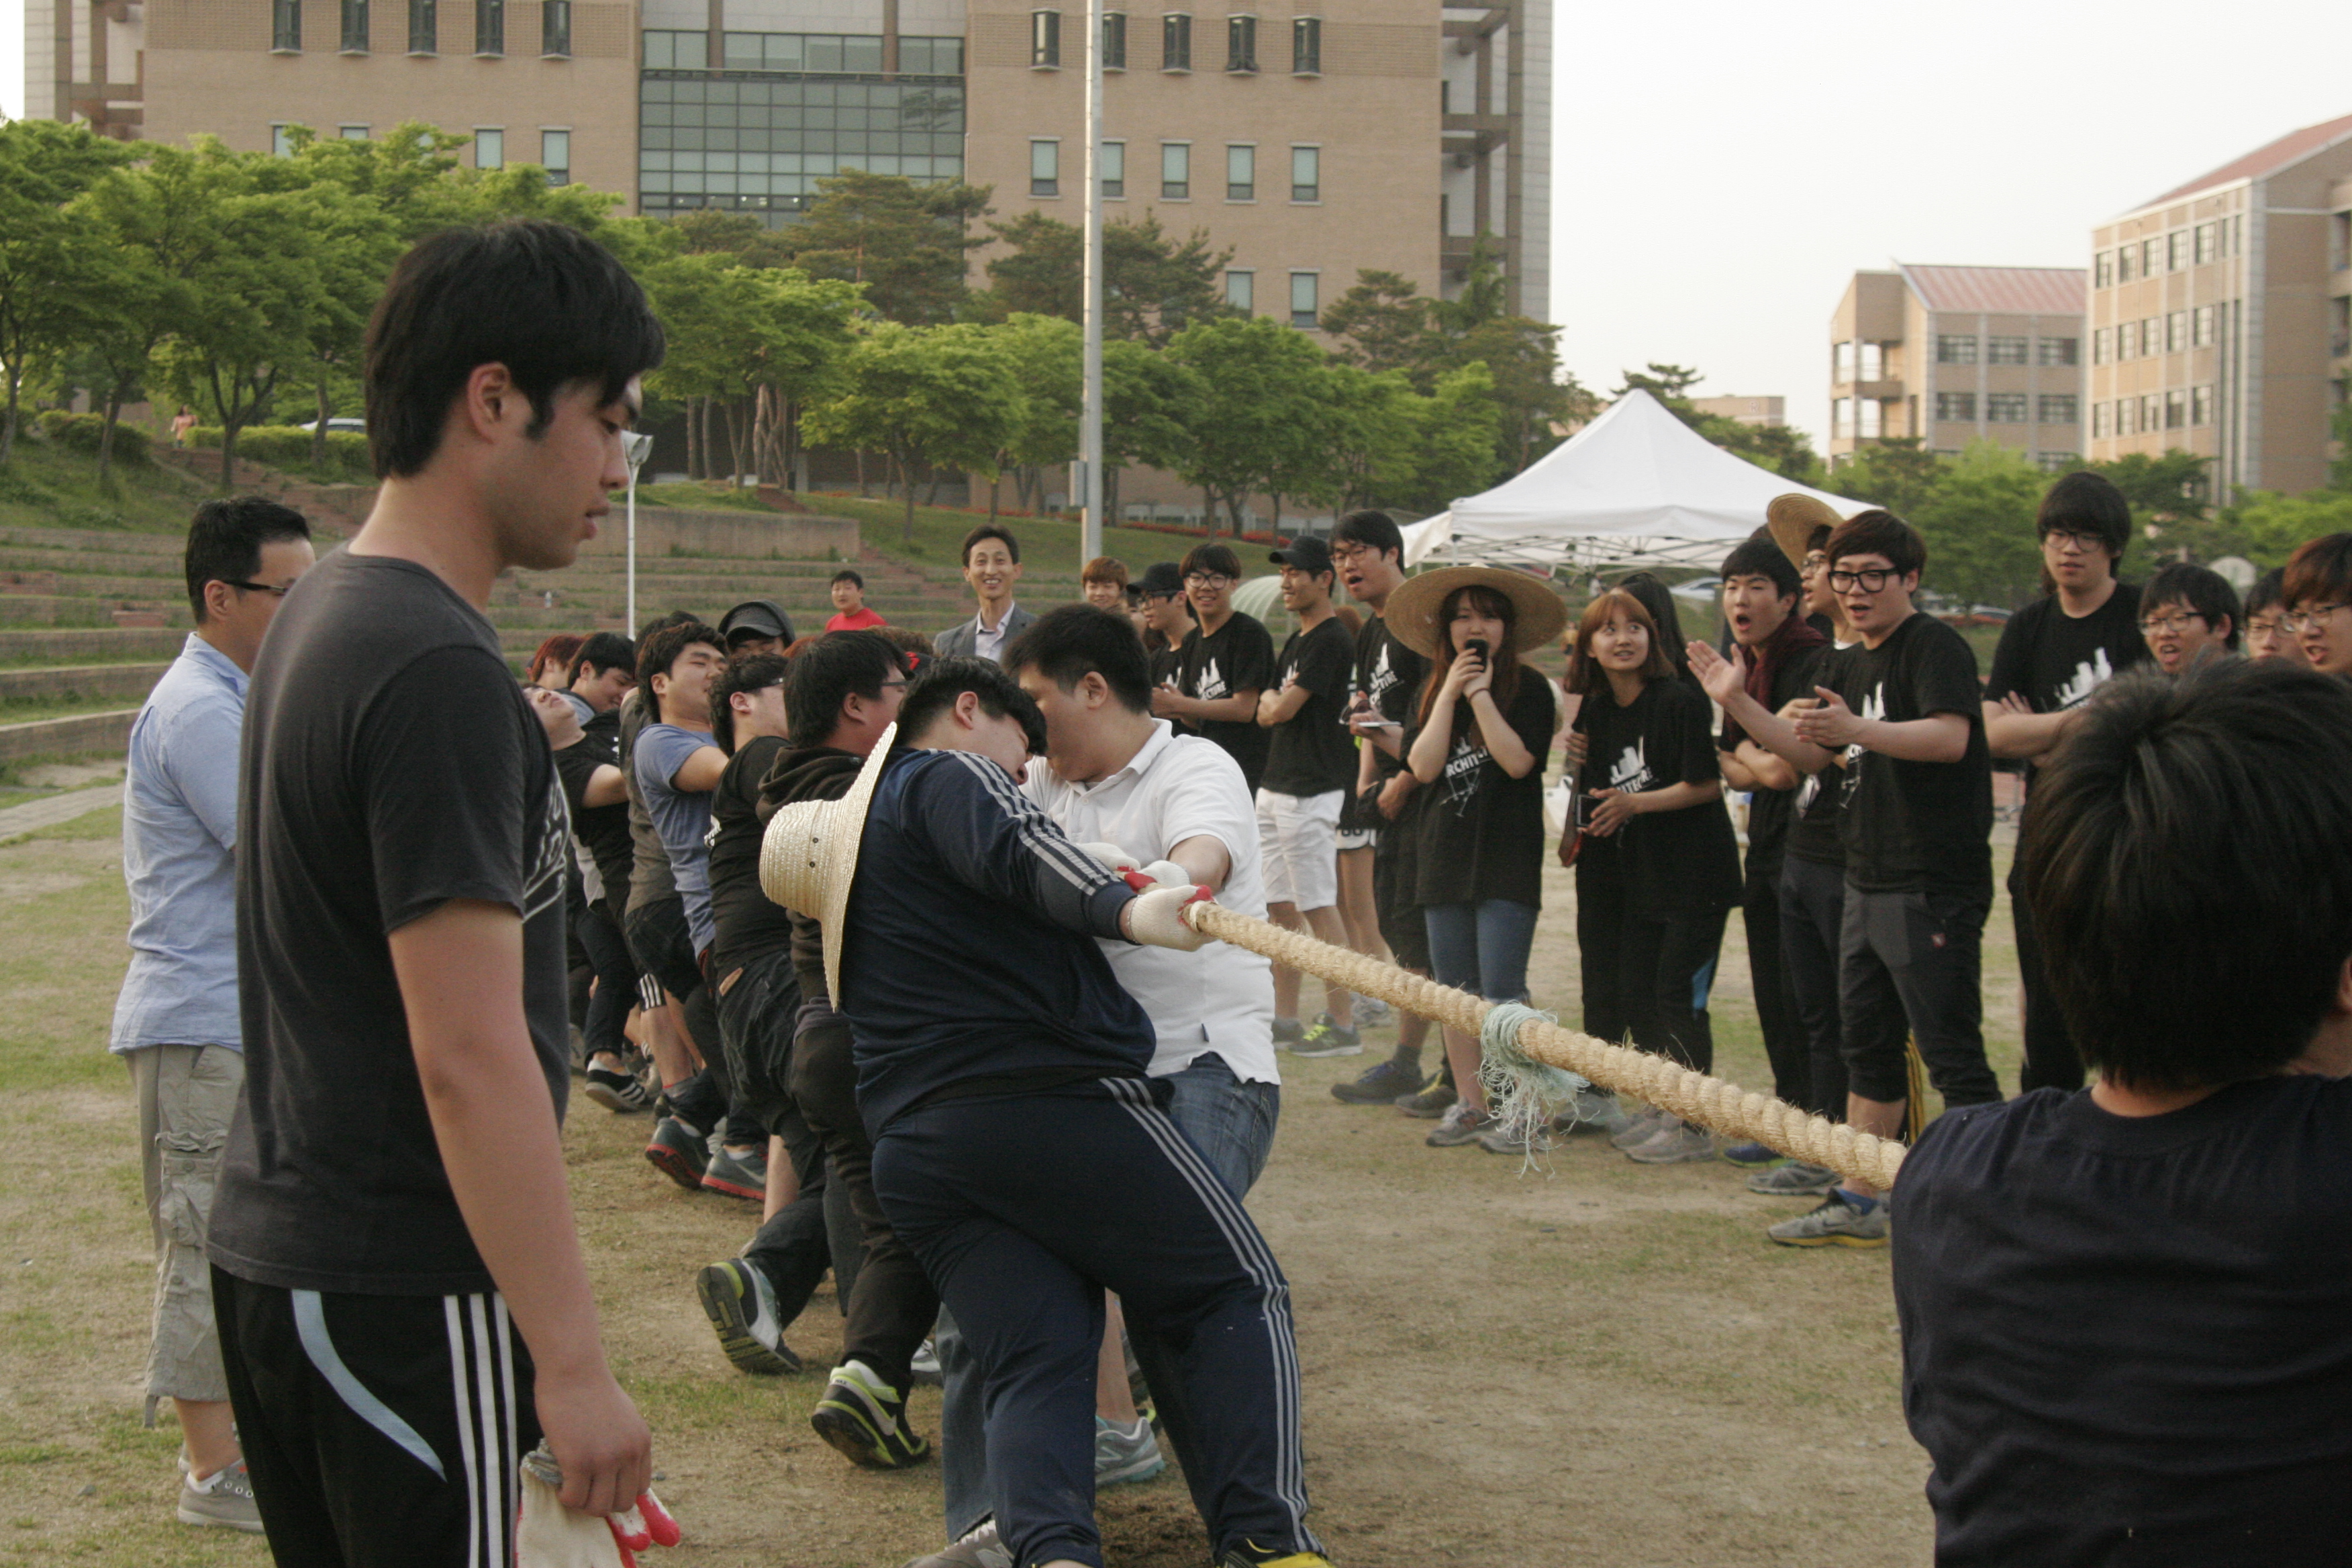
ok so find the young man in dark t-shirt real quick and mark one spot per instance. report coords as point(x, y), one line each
point(1227, 659)
point(603, 673)
point(2124, 1310)
point(402, 1306)
point(2054, 653)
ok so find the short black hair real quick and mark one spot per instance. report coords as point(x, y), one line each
point(2200, 588)
point(225, 542)
point(1762, 557)
point(2086, 502)
point(659, 650)
point(670, 618)
point(2320, 568)
point(1215, 558)
point(2269, 592)
point(934, 692)
point(847, 575)
point(601, 652)
point(1879, 532)
point(751, 672)
point(541, 298)
point(2228, 789)
point(1068, 643)
point(1374, 530)
point(826, 672)
point(988, 531)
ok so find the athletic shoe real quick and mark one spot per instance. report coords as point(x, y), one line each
point(1494, 1141)
point(1432, 1103)
point(1380, 1084)
point(1250, 1554)
point(224, 1498)
point(865, 1418)
point(1288, 1031)
point(980, 1549)
point(1754, 1157)
point(739, 1176)
point(1125, 1455)
point(924, 1366)
point(1794, 1180)
point(1591, 1110)
point(618, 1092)
point(1459, 1126)
point(680, 1152)
point(1675, 1144)
point(1372, 1012)
point(1329, 1039)
point(1837, 1223)
point(1641, 1128)
point(742, 1305)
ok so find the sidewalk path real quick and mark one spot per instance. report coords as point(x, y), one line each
point(35, 815)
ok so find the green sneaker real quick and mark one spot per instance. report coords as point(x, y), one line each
point(865, 1419)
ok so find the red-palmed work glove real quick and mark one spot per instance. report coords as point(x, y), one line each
point(1111, 855)
point(1156, 918)
point(550, 1535)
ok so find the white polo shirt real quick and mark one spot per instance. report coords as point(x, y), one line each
point(1177, 787)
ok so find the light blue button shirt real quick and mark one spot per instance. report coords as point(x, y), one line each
point(179, 857)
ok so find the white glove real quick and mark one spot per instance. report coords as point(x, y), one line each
point(550, 1535)
point(1166, 874)
point(1156, 918)
point(1111, 855)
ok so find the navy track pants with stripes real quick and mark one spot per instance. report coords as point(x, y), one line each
point(379, 1430)
point(1024, 1209)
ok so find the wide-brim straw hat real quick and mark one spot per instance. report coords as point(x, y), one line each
point(1412, 610)
point(1792, 518)
point(808, 856)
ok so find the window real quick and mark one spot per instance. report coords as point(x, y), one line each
point(1870, 361)
point(1241, 173)
point(1239, 288)
point(2208, 242)
point(1241, 43)
point(923, 57)
point(355, 26)
point(2005, 408)
point(2176, 332)
point(1114, 41)
point(1305, 310)
point(2006, 351)
point(2339, 242)
point(2059, 408)
point(2057, 462)
point(2057, 351)
point(1175, 42)
point(1044, 168)
point(2128, 341)
point(2103, 270)
point(2126, 421)
point(1176, 171)
point(1842, 360)
point(1872, 415)
point(423, 27)
point(2201, 326)
point(1956, 351)
point(1306, 45)
point(2102, 419)
point(353, 132)
point(2176, 250)
point(1114, 171)
point(555, 28)
point(2151, 413)
point(286, 27)
point(2151, 336)
point(489, 26)
point(1045, 38)
point(281, 143)
point(555, 149)
point(2175, 409)
point(1841, 416)
point(489, 147)
point(1305, 174)
point(2103, 345)
point(2151, 257)
point(1956, 405)
point(2200, 405)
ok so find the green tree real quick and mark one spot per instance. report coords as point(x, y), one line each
point(921, 395)
point(1146, 397)
point(1978, 527)
point(1153, 284)
point(2339, 430)
point(1899, 474)
point(52, 284)
point(905, 242)
point(752, 344)
point(2167, 496)
point(1455, 432)
point(2266, 527)
point(1045, 354)
point(1262, 414)
point(1385, 323)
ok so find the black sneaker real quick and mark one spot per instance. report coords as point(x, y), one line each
point(865, 1419)
point(738, 1173)
point(1380, 1084)
point(742, 1307)
point(680, 1152)
point(1433, 1101)
point(618, 1092)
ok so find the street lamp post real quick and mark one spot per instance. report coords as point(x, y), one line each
point(635, 447)
point(1090, 410)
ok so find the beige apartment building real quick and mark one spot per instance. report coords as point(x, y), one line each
point(2221, 316)
point(1759, 410)
point(1954, 354)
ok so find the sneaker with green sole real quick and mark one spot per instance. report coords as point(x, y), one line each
point(865, 1419)
point(1326, 1038)
point(1837, 1223)
point(1754, 1157)
point(1431, 1102)
point(742, 1307)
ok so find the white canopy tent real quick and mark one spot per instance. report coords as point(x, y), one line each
point(1636, 487)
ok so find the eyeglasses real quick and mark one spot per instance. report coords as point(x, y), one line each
point(1207, 579)
point(275, 590)
point(2310, 620)
point(2265, 627)
point(2063, 537)
point(1870, 580)
point(1346, 555)
point(2170, 624)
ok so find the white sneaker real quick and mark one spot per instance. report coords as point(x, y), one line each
point(224, 1498)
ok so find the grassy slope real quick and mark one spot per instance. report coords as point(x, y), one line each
point(45, 488)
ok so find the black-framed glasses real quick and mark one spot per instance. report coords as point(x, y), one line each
point(1870, 579)
point(2311, 619)
point(2085, 542)
point(275, 590)
point(2173, 624)
point(1207, 579)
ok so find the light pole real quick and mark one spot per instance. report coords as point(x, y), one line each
point(636, 448)
point(1090, 407)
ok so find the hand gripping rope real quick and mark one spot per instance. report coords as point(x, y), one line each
point(1527, 1057)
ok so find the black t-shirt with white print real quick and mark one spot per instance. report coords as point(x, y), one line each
point(1389, 673)
point(1238, 657)
point(390, 765)
point(1672, 861)
point(2055, 661)
point(1813, 804)
point(1478, 832)
point(1312, 752)
point(1917, 826)
point(1773, 813)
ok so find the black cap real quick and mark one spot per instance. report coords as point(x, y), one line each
point(1307, 553)
point(1160, 577)
point(756, 618)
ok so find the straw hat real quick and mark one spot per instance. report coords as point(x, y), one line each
point(1792, 518)
point(808, 858)
point(1412, 610)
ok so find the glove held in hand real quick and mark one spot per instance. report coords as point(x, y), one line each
point(1156, 918)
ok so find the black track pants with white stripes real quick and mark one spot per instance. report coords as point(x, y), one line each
point(1024, 1208)
point(378, 1429)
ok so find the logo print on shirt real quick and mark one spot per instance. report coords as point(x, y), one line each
point(1212, 683)
point(1873, 707)
point(543, 882)
point(1465, 773)
point(2089, 676)
point(1630, 772)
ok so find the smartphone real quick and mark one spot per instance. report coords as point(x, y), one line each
point(1478, 646)
point(1581, 816)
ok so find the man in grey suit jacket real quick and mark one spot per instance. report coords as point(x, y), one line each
point(992, 564)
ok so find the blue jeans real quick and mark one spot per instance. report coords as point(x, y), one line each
point(1481, 948)
point(1232, 1123)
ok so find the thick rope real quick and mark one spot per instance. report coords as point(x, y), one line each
point(1723, 1108)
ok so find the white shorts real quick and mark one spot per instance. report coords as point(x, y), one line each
point(1298, 838)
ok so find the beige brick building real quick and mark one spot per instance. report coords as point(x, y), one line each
point(2221, 315)
point(1761, 411)
point(1954, 354)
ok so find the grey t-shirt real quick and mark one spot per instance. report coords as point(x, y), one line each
point(682, 818)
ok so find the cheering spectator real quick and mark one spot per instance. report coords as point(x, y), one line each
point(1659, 869)
point(1475, 742)
point(2266, 633)
point(1103, 582)
point(2318, 593)
point(992, 566)
point(1228, 659)
point(2186, 613)
point(849, 610)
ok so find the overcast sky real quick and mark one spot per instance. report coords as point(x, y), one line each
point(1721, 169)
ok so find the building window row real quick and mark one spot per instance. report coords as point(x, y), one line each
point(1306, 296)
point(1968, 348)
point(1176, 171)
point(2174, 252)
point(818, 54)
point(489, 146)
point(2179, 408)
point(759, 142)
point(1861, 417)
point(1859, 361)
point(1176, 42)
point(2171, 333)
point(423, 27)
point(2008, 408)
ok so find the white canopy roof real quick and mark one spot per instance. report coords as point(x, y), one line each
point(1635, 487)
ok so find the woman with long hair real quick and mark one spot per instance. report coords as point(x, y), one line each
point(1659, 867)
point(1476, 741)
